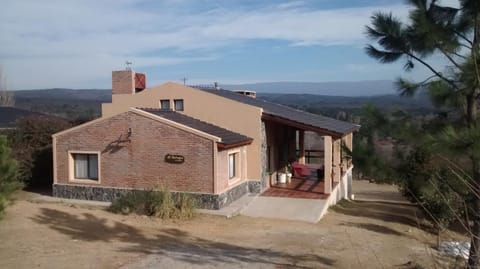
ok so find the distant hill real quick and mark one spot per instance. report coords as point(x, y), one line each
point(101, 95)
point(338, 88)
point(8, 116)
point(86, 103)
point(389, 101)
point(65, 103)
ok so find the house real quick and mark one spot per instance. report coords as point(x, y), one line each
point(213, 143)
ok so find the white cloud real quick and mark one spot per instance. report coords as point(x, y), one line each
point(51, 43)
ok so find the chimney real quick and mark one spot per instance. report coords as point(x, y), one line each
point(140, 82)
point(127, 82)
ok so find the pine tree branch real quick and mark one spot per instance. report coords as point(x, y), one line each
point(462, 36)
point(460, 55)
point(475, 48)
point(427, 79)
point(438, 74)
point(465, 46)
point(449, 57)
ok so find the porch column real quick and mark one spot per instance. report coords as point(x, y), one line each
point(327, 165)
point(348, 141)
point(301, 146)
point(337, 162)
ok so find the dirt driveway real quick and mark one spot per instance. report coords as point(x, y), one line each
point(353, 235)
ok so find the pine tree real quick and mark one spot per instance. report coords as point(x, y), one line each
point(454, 34)
point(9, 180)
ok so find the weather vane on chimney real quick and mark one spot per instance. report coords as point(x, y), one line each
point(129, 65)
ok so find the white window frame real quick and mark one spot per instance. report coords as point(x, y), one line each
point(71, 167)
point(238, 166)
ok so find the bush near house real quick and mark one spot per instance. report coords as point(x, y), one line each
point(159, 203)
point(32, 147)
point(9, 179)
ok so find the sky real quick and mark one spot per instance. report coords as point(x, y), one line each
point(76, 44)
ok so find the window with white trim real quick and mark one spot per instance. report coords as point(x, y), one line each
point(85, 166)
point(232, 165)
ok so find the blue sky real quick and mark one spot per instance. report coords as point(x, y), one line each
point(76, 44)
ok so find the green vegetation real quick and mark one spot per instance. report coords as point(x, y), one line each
point(454, 34)
point(159, 203)
point(9, 180)
point(32, 147)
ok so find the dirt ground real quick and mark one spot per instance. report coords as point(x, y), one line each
point(352, 235)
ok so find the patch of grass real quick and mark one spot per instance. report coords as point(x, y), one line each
point(159, 203)
point(186, 205)
point(342, 205)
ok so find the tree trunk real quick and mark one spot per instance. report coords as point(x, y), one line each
point(474, 256)
point(471, 109)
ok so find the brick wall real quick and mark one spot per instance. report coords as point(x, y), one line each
point(140, 163)
point(123, 82)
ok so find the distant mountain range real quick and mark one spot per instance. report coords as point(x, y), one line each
point(339, 88)
point(102, 95)
point(327, 98)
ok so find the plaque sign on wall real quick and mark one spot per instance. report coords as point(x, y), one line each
point(174, 158)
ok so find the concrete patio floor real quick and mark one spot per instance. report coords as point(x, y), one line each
point(308, 210)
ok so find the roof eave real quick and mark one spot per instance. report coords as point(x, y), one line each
point(223, 146)
point(303, 126)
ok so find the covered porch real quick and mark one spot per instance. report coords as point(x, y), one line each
point(315, 159)
point(298, 188)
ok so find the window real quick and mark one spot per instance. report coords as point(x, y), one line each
point(85, 166)
point(232, 165)
point(178, 104)
point(165, 104)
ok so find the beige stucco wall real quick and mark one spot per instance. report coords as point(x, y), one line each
point(223, 182)
point(235, 116)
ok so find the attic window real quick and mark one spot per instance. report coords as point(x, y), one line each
point(178, 104)
point(165, 104)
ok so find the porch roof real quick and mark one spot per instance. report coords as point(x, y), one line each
point(228, 138)
point(288, 115)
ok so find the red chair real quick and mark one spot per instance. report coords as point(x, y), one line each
point(300, 170)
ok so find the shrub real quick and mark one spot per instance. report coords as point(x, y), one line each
point(185, 205)
point(9, 179)
point(160, 203)
point(32, 147)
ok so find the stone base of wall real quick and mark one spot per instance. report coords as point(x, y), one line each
point(105, 194)
point(255, 186)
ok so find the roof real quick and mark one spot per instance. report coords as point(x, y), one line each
point(290, 114)
point(228, 138)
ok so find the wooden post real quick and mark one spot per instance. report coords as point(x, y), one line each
point(301, 145)
point(327, 146)
point(348, 140)
point(336, 160)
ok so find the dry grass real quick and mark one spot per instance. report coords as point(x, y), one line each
point(159, 203)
